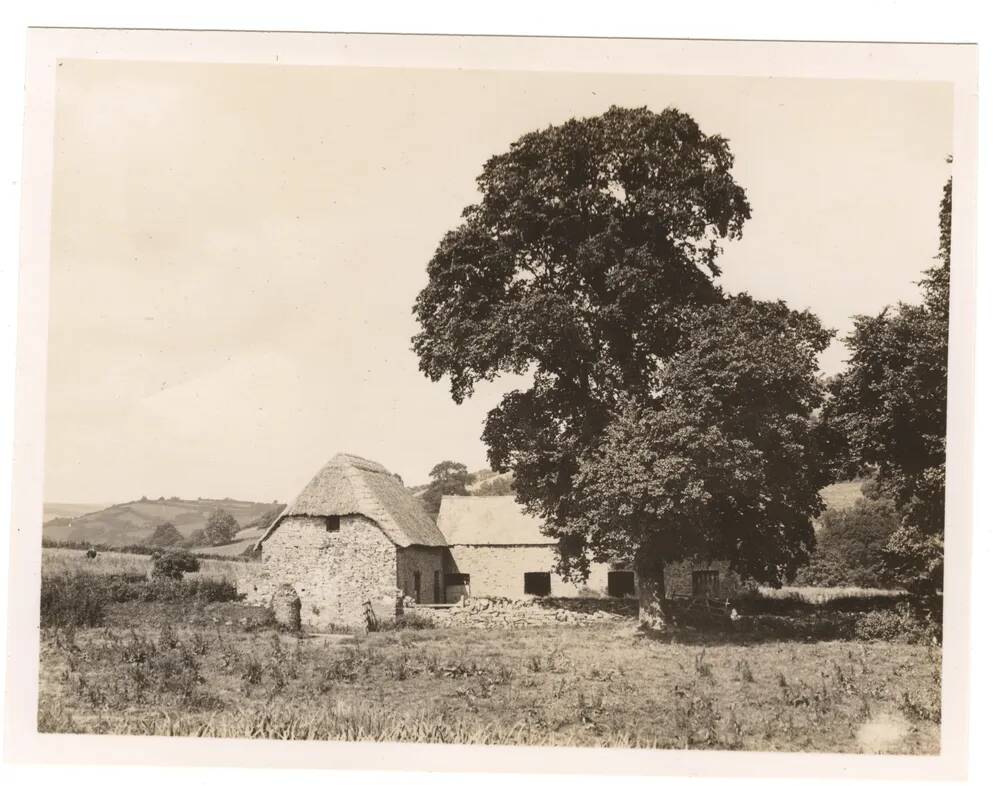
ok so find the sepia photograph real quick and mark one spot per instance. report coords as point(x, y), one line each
point(594, 407)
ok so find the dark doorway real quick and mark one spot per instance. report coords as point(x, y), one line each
point(416, 586)
point(621, 583)
point(538, 584)
point(705, 583)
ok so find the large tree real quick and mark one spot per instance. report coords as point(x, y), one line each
point(577, 267)
point(890, 404)
point(725, 463)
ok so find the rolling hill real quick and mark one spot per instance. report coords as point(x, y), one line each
point(131, 523)
point(67, 510)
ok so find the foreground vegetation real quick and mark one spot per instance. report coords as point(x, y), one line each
point(131, 655)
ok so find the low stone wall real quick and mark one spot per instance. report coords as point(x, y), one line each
point(527, 612)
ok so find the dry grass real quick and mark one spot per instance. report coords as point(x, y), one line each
point(819, 595)
point(57, 561)
point(595, 686)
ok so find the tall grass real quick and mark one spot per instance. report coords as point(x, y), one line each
point(79, 599)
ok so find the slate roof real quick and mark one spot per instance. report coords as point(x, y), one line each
point(353, 485)
point(489, 521)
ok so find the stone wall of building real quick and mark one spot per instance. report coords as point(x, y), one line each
point(679, 578)
point(498, 571)
point(334, 573)
point(428, 562)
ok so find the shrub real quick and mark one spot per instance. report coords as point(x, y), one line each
point(406, 622)
point(79, 599)
point(165, 535)
point(902, 623)
point(221, 527)
point(174, 564)
point(70, 601)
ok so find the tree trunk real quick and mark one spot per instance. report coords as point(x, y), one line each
point(652, 592)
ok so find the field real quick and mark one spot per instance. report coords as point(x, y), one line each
point(192, 665)
point(56, 561)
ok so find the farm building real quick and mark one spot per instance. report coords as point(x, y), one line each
point(498, 550)
point(355, 535)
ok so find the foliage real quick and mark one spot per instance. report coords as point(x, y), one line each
point(221, 527)
point(407, 621)
point(173, 564)
point(165, 535)
point(68, 601)
point(723, 464)
point(849, 545)
point(890, 405)
point(447, 478)
point(500, 486)
point(590, 242)
point(81, 598)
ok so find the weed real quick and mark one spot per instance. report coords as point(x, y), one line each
point(253, 671)
point(701, 667)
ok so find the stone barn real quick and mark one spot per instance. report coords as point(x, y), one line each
point(498, 550)
point(354, 536)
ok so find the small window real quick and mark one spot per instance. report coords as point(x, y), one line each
point(705, 583)
point(456, 579)
point(538, 584)
point(333, 523)
point(621, 583)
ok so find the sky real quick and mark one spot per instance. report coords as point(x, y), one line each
point(236, 249)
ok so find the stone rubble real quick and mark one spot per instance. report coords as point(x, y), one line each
point(527, 612)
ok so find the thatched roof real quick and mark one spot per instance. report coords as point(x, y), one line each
point(486, 521)
point(353, 485)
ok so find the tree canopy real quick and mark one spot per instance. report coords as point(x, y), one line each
point(850, 543)
point(165, 534)
point(723, 464)
point(890, 405)
point(588, 240)
point(221, 527)
point(447, 478)
point(589, 264)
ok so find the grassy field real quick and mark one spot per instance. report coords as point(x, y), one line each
point(57, 562)
point(193, 665)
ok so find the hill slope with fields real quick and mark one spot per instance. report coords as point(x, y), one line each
point(130, 523)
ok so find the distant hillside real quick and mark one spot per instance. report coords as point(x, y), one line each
point(67, 510)
point(841, 495)
point(129, 523)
